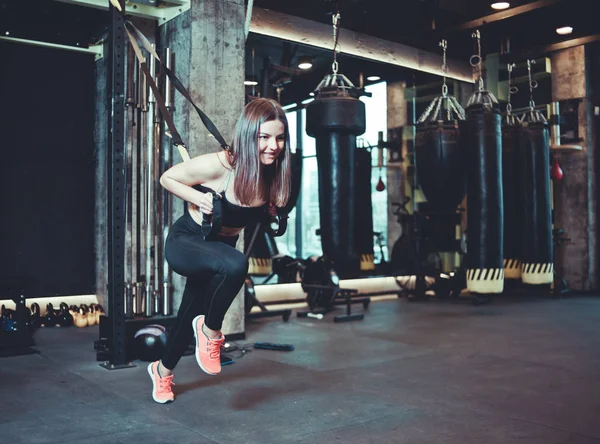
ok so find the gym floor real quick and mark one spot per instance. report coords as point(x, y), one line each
point(521, 370)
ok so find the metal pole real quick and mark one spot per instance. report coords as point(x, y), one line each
point(130, 149)
point(96, 50)
point(167, 305)
point(116, 194)
point(135, 218)
point(139, 194)
point(150, 194)
point(142, 155)
point(157, 209)
point(299, 204)
point(128, 300)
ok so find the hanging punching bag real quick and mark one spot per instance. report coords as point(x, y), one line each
point(334, 119)
point(482, 138)
point(439, 155)
point(537, 266)
point(512, 194)
point(363, 210)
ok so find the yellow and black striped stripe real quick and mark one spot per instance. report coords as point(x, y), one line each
point(367, 262)
point(485, 280)
point(537, 274)
point(512, 268)
point(259, 265)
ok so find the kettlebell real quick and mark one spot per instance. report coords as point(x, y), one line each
point(80, 319)
point(65, 319)
point(36, 319)
point(7, 319)
point(91, 315)
point(2, 317)
point(50, 319)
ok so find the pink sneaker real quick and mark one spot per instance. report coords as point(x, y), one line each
point(162, 391)
point(208, 351)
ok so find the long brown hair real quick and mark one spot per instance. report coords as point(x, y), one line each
point(252, 179)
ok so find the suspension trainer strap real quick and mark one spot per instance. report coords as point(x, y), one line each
point(211, 223)
point(135, 35)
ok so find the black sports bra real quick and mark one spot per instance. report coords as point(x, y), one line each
point(232, 215)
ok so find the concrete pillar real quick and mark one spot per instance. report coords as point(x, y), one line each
point(397, 121)
point(208, 47)
point(574, 196)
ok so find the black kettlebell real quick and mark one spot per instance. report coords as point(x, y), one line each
point(49, 320)
point(7, 319)
point(36, 320)
point(64, 317)
point(22, 318)
point(2, 317)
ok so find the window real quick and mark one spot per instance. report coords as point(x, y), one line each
point(301, 239)
point(376, 111)
point(286, 244)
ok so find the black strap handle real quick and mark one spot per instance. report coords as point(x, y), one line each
point(276, 219)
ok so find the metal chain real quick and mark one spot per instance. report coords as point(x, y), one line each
point(444, 45)
point(475, 60)
point(510, 88)
point(336, 23)
point(532, 84)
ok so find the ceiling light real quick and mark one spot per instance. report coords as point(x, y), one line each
point(373, 78)
point(500, 5)
point(305, 62)
point(564, 30)
point(251, 81)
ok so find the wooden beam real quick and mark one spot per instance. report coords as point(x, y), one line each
point(308, 32)
point(570, 43)
point(507, 13)
point(539, 51)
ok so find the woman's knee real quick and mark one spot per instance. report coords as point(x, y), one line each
point(236, 264)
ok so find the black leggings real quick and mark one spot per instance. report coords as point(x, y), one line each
point(215, 272)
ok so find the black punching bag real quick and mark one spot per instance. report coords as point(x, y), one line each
point(334, 119)
point(439, 155)
point(363, 210)
point(537, 260)
point(512, 193)
point(482, 138)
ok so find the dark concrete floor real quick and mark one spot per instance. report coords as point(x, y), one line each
point(518, 370)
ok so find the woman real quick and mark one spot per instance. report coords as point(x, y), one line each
point(254, 173)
